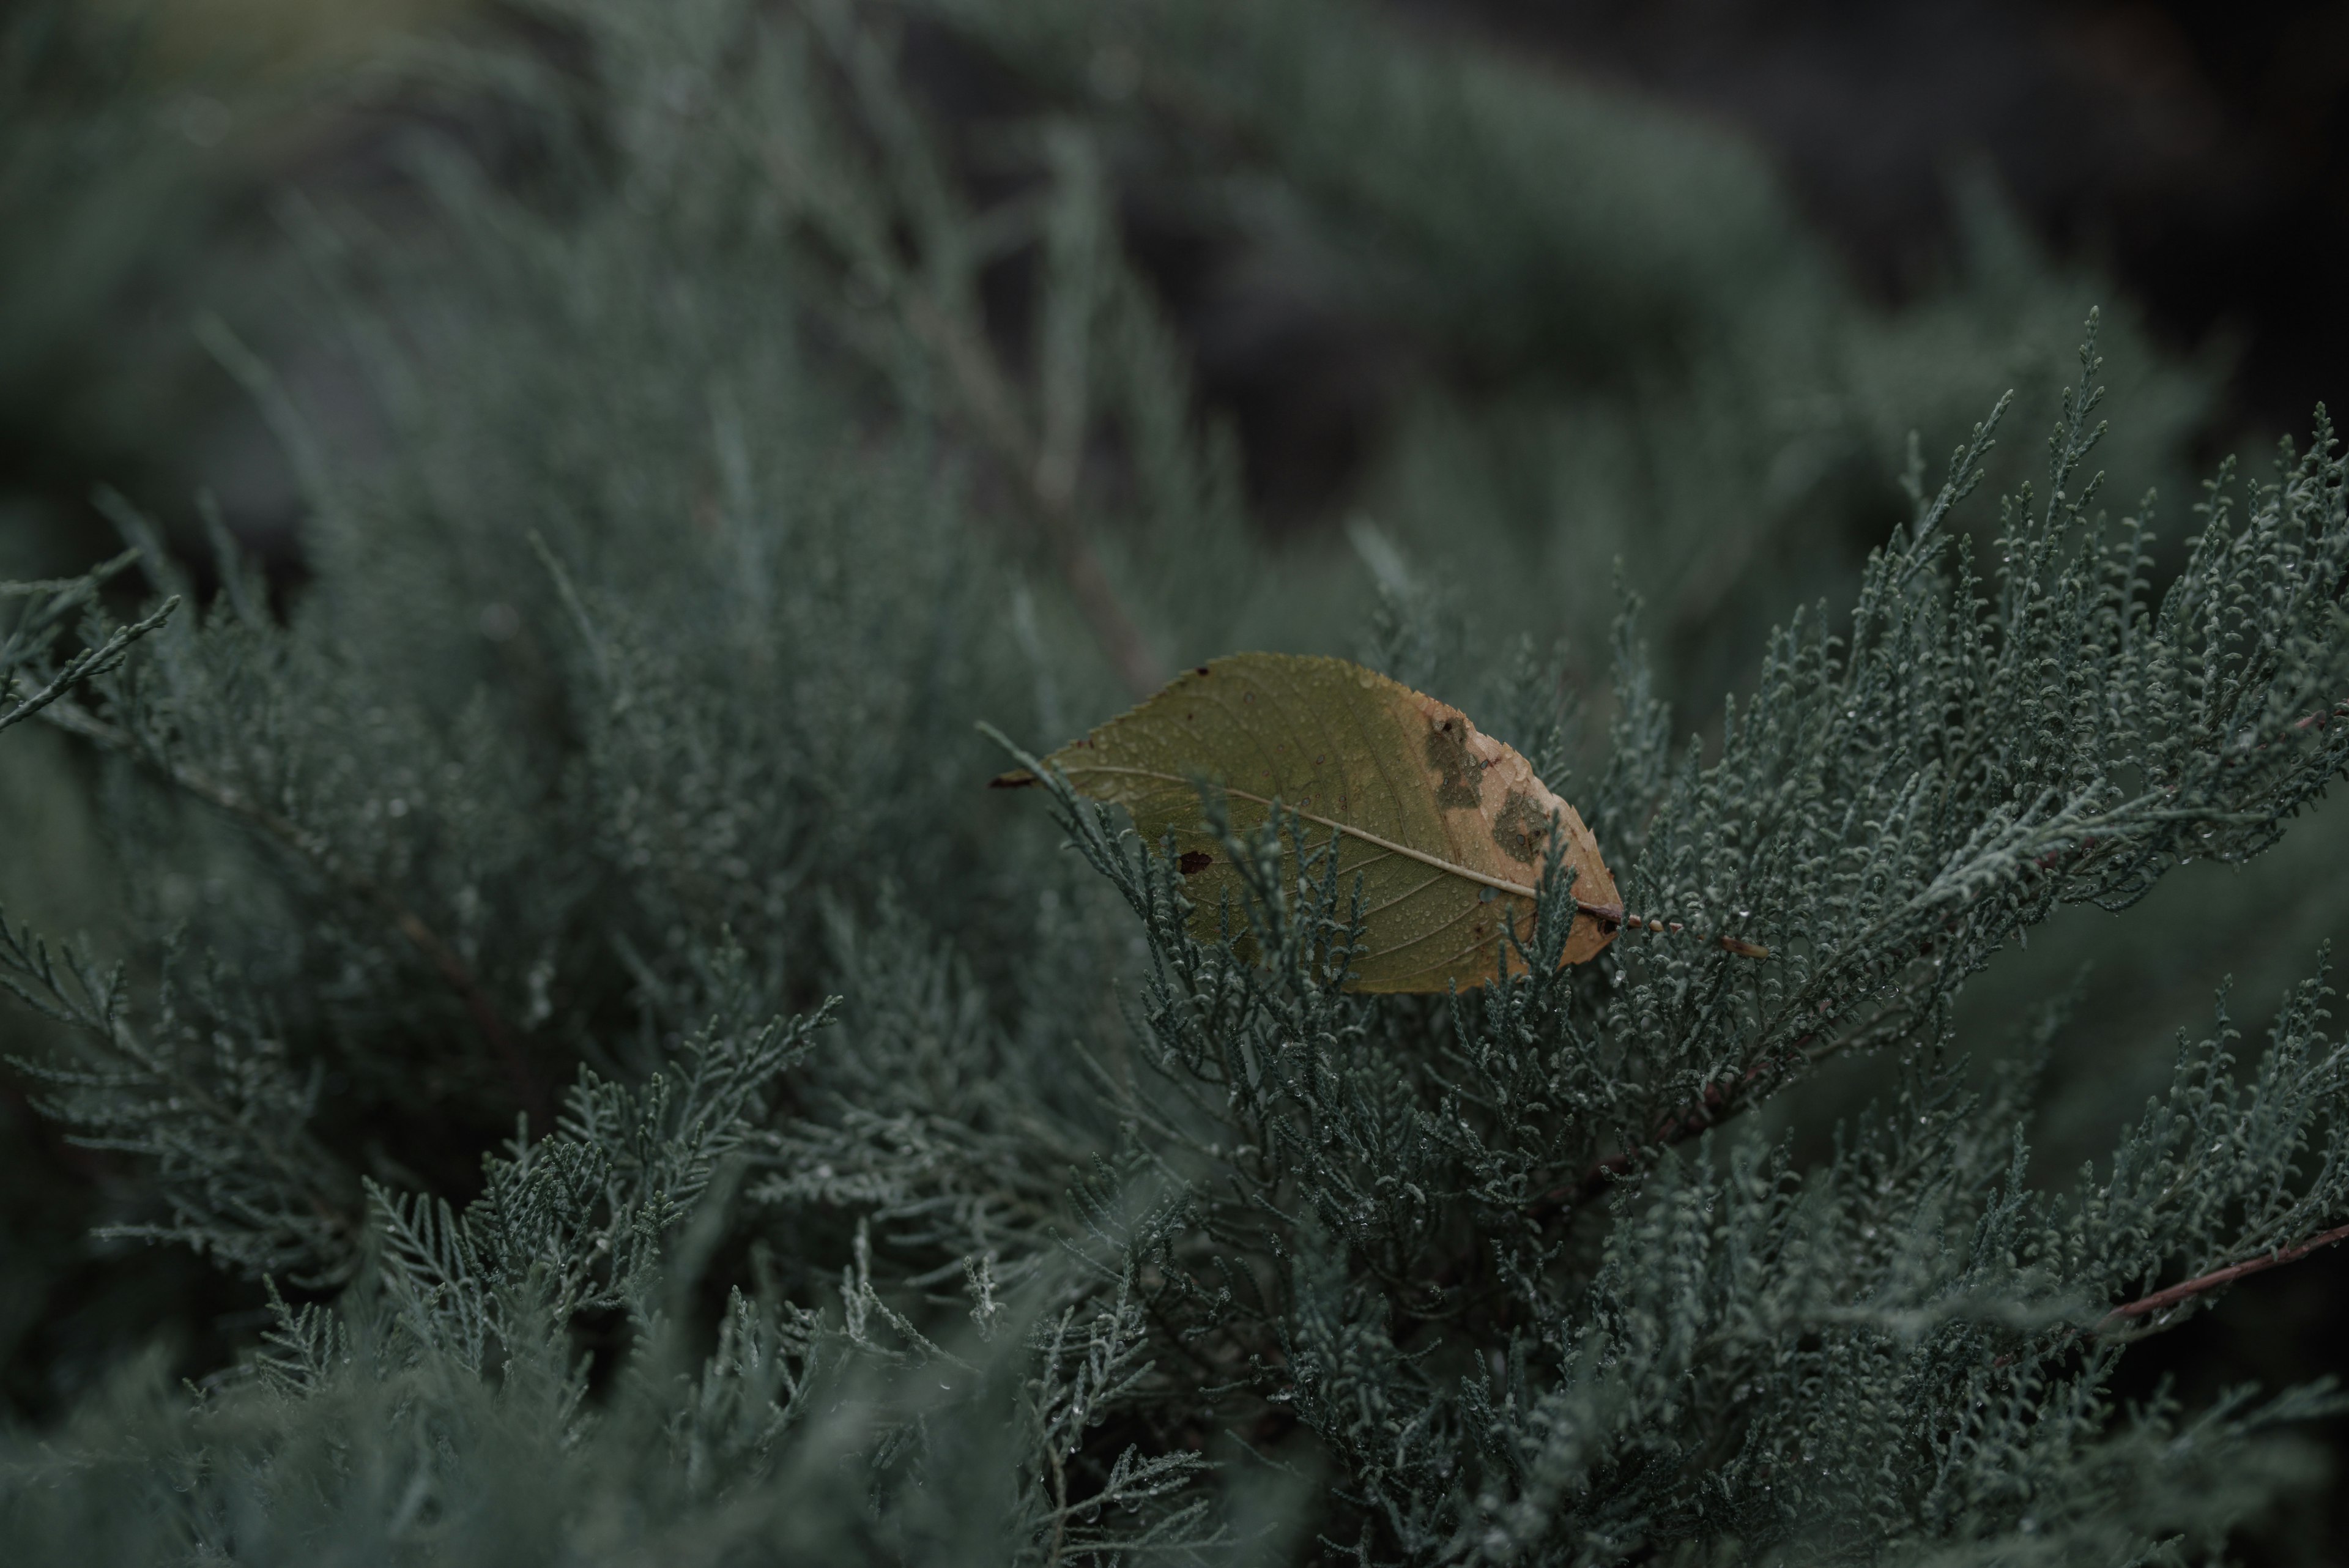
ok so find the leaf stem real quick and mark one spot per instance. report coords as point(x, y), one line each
point(1611, 914)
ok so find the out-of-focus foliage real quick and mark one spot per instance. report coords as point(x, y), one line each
point(107, 184)
point(1645, 356)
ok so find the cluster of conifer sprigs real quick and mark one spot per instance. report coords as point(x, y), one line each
point(668, 1111)
point(1908, 1339)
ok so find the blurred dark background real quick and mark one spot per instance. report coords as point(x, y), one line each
point(2197, 154)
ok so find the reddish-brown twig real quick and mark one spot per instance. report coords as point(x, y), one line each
point(2163, 1300)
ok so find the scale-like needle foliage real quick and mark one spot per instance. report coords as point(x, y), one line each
point(648, 1101)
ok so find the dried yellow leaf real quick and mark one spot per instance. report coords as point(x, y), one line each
point(1445, 827)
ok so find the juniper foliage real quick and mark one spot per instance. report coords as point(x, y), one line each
point(924, 1193)
point(1889, 811)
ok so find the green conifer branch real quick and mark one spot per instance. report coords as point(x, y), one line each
point(1081, 1238)
point(452, 969)
point(24, 648)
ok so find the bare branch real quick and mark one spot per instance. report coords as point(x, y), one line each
point(2161, 1301)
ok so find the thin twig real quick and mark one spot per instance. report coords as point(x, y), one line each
point(2163, 1300)
point(75, 720)
point(88, 664)
point(992, 401)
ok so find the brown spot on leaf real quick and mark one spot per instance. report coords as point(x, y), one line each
point(1017, 778)
point(1522, 829)
point(1191, 862)
point(1460, 776)
point(1201, 670)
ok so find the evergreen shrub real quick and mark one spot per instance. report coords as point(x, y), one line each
point(560, 962)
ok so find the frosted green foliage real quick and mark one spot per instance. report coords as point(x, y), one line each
point(1892, 804)
point(576, 1223)
point(206, 1092)
point(38, 616)
point(451, 1366)
point(628, 715)
point(993, 1130)
point(1893, 1358)
point(327, 1448)
point(1861, 1359)
point(2219, 1171)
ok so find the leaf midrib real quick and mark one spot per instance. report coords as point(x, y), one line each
point(1611, 912)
